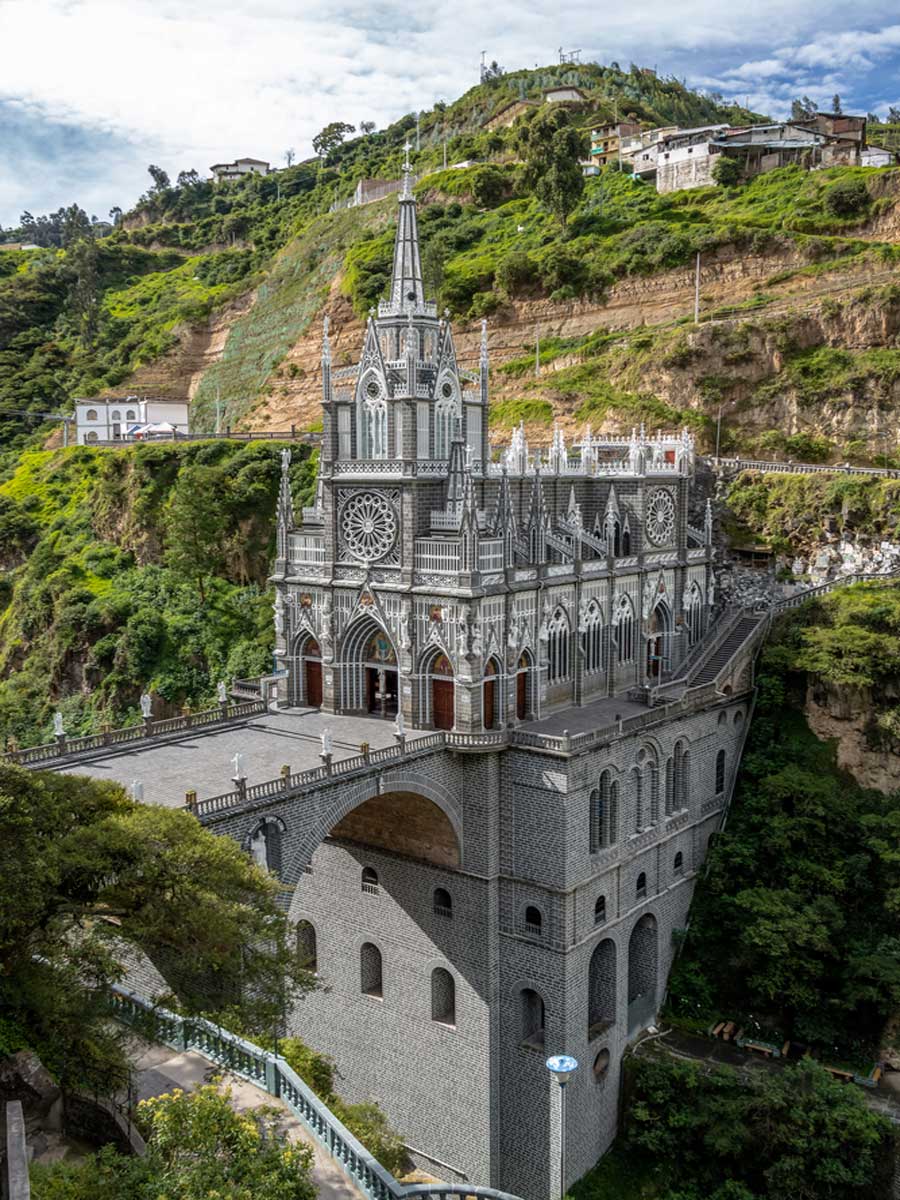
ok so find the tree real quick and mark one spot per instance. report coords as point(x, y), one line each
point(367, 127)
point(289, 156)
point(236, 225)
point(847, 198)
point(115, 215)
point(726, 171)
point(197, 1146)
point(836, 105)
point(893, 115)
point(85, 293)
point(195, 525)
point(802, 110)
point(188, 178)
point(159, 177)
point(552, 149)
point(330, 137)
point(87, 875)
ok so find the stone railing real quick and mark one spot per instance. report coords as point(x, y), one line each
point(823, 588)
point(64, 747)
point(273, 1074)
point(791, 468)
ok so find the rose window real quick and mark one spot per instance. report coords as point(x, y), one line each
point(369, 526)
point(660, 517)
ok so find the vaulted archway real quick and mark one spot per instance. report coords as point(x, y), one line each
point(368, 670)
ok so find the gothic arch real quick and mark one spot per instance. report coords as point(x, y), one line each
point(659, 638)
point(306, 669)
point(437, 688)
point(367, 653)
point(643, 971)
point(371, 416)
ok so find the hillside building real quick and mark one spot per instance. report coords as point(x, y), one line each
point(224, 172)
point(119, 419)
point(543, 623)
point(611, 142)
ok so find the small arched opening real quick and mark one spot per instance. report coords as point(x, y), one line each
point(490, 694)
point(442, 692)
point(534, 920)
point(443, 997)
point(532, 1018)
point(602, 988)
point(311, 669)
point(524, 671)
point(642, 973)
point(371, 977)
point(659, 633)
point(307, 948)
point(443, 903)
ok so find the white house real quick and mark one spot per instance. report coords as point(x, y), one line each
point(119, 420)
point(875, 156)
point(239, 168)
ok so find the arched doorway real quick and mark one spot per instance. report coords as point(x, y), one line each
point(442, 693)
point(369, 680)
point(642, 971)
point(602, 988)
point(658, 640)
point(311, 666)
point(523, 687)
point(489, 695)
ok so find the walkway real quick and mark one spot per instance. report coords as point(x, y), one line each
point(203, 760)
point(159, 1070)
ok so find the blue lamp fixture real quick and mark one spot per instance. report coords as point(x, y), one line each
point(562, 1067)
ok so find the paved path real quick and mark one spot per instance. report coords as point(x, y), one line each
point(159, 1069)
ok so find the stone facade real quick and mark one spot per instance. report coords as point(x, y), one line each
point(510, 889)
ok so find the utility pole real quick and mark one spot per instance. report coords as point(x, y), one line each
point(418, 137)
point(218, 410)
point(537, 349)
point(697, 291)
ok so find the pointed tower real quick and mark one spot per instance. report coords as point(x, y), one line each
point(468, 523)
point(284, 515)
point(504, 525)
point(407, 289)
point(538, 519)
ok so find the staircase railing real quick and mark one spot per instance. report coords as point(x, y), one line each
point(274, 1075)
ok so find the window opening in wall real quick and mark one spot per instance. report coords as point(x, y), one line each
point(532, 1018)
point(558, 648)
point(601, 988)
point(443, 902)
point(307, 955)
point(443, 997)
point(533, 919)
point(370, 881)
point(720, 772)
point(91, 414)
point(678, 865)
point(641, 888)
point(600, 910)
point(370, 971)
point(601, 1065)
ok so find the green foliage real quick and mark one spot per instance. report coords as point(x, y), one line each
point(130, 583)
point(552, 149)
point(793, 930)
point(197, 1146)
point(726, 171)
point(85, 872)
point(847, 198)
point(693, 1134)
point(510, 412)
point(368, 1123)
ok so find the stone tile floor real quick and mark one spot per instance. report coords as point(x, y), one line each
point(592, 716)
point(202, 761)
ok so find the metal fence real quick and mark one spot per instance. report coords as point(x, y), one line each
point(274, 1075)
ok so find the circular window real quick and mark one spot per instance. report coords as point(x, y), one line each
point(660, 517)
point(601, 1065)
point(447, 390)
point(369, 526)
point(373, 389)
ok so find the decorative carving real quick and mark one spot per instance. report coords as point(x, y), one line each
point(368, 526)
point(660, 519)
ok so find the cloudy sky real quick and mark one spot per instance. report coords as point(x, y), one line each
point(91, 91)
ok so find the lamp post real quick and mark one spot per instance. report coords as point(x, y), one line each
point(562, 1067)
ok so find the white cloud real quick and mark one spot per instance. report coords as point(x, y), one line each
point(190, 83)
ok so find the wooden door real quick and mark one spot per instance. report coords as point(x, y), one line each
point(313, 683)
point(488, 704)
point(442, 703)
point(522, 695)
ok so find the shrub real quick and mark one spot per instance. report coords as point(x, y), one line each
point(488, 186)
point(847, 198)
point(726, 171)
point(516, 272)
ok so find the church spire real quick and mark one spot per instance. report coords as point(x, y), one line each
point(407, 290)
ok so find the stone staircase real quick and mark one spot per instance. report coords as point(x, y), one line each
point(710, 667)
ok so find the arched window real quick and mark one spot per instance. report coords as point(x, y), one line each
point(600, 910)
point(613, 822)
point(443, 997)
point(601, 1065)
point(602, 988)
point(603, 814)
point(370, 881)
point(613, 533)
point(626, 539)
point(370, 971)
point(623, 630)
point(130, 415)
point(532, 1012)
point(446, 412)
point(592, 639)
point(558, 647)
point(640, 890)
point(637, 790)
point(681, 777)
point(443, 902)
point(91, 436)
point(646, 790)
point(307, 955)
point(265, 846)
point(693, 614)
point(723, 718)
point(533, 920)
point(91, 414)
point(720, 772)
point(372, 420)
point(670, 786)
point(678, 864)
point(116, 416)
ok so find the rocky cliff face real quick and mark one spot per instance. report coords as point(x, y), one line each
point(849, 717)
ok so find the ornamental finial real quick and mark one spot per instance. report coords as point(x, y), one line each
point(406, 194)
point(326, 342)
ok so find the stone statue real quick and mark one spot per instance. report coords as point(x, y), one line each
point(222, 692)
point(137, 790)
point(399, 725)
point(327, 745)
point(237, 764)
point(278, 610)
point(285, 459)
point(146, 705)
point(58, 725)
